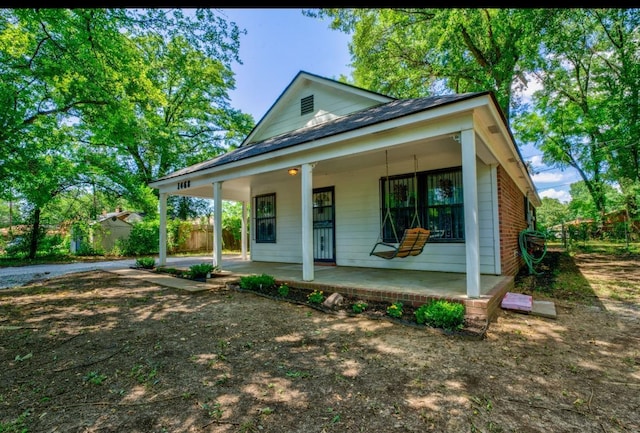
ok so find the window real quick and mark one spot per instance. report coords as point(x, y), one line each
point(265, 208)
point(306, 105)
point(433, 197)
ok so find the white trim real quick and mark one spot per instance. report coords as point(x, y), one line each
point(496, 219)
point(306, 180)
point(217, 224)
point(243, 232)
point(162, 248)
point(471, 230)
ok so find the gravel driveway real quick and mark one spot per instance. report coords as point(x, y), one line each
point(20, 275)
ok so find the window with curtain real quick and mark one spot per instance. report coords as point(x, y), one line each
point(430, 199)
point(265, 214)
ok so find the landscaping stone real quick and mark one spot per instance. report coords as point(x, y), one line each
point(333, 301)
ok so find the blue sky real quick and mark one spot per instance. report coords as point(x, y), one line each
point(281, 42)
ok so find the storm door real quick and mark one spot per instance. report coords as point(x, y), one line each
point(324, 225)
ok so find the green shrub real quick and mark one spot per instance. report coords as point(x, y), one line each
point(359, 307)
point(283, 290)
point(395, 310)
point(201, 270)
point(53, 245)
point(145, 262)
point(18, 246)
point(257, 282)
point(143, 239)
point(441, 314)
point(316, 297)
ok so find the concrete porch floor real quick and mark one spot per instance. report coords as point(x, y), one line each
point(389, 285)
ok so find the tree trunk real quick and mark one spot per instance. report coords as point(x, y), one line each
point(35, 233)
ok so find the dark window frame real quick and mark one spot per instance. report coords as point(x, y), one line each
point(440, 203)
point(265, 218)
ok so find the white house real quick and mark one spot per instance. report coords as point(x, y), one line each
point(329, 163)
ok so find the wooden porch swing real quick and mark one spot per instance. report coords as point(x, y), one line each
point(413, 239)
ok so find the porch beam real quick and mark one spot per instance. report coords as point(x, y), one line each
point(243, 232)
point(162, 210)
point(471, 229)
point(217, 224)
point(306, 179)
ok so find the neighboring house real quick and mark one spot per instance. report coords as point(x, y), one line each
point(323, 165)
point(112, 226)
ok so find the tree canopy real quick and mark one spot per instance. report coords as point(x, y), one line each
point(112, 99)
point(408, 52)
point(586, 61)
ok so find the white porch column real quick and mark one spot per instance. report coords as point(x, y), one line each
point(217, 224)
point(471, 230)
point(306, 179)
point(243, 232)
point(162, 210)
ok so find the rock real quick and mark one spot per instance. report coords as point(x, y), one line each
point(333, 301)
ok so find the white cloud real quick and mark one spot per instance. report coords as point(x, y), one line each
point(561, 195)
point(533, 85)
point(549, 177)
point(536, 161)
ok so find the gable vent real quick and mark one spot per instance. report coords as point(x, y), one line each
point(306, 105)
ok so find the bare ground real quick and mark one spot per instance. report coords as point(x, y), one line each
point(94, 352)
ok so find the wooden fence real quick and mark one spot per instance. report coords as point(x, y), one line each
point(200, 239)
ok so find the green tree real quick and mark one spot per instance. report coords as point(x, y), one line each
point(408, 52)
point(583, 206)
point(586, 114)
point(187, 120)
point(552, 212)
point(232, 218)
point(111, 98)
point(185, 208)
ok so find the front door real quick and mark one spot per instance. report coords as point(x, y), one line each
point(323, 225)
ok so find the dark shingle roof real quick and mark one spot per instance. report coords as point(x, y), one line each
point(370, 116)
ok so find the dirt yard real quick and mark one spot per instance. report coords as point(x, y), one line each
point(94, 352)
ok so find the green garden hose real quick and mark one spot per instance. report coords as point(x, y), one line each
point(533, 248)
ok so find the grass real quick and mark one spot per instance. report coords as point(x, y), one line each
point(600, 247)
point(18, 425)
point(559, 278)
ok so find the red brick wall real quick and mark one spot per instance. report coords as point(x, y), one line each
point(512, 222)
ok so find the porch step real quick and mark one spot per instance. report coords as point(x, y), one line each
point(544, 309)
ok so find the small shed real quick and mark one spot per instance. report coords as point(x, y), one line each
point(113, 226)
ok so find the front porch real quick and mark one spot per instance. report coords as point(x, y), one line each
point(410, 287)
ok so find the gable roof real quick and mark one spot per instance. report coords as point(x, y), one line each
point(380, 113)
point(121, 215)
point(294, 88)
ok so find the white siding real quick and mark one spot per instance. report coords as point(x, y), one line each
point(485, 219)
point(358, 222)
point(287, 248)
point(329, 103)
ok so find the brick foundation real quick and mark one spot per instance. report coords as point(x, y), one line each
point(484, 308)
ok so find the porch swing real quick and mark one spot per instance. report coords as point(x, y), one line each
point(413, 239)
